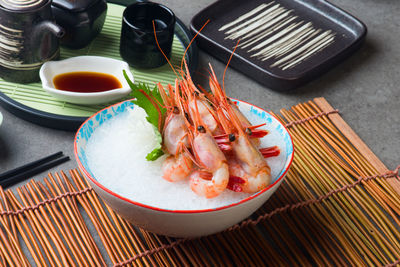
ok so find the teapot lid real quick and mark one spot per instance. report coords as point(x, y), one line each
point(18, 5)
point(73, 5)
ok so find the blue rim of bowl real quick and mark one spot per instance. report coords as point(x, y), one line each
point(282, 175)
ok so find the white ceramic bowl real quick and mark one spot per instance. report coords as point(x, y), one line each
point(185, 223)
point(86, 63)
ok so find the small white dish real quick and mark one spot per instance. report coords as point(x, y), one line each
point(91, 64)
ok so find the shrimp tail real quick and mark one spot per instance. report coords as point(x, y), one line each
point(269, 152)
point(176, 168)
point(213, 187)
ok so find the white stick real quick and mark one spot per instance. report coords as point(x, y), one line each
point(255, 25)
point(304, 48)
point(246, 15)
point(291, 44)
point(299, 42)
point(315, 50)
point(267, 25)
point(276, 36)
point(259, 16)
point(264, 34)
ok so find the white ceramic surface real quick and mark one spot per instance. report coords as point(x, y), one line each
point(86, 63)
point(1, 118)
point(185, 223)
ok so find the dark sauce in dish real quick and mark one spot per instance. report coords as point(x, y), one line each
point(86, 82)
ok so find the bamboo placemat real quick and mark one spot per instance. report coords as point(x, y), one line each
point(339, 205)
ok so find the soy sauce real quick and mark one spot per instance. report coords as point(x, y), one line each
point(86, 82)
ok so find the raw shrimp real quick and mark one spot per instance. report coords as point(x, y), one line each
point(178, 165)
point(219, 94)
point(175, 129)
point(206, 114)
point(251, 165)
point(200, 102)
point(213, 176)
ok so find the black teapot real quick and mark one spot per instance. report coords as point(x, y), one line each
point(28, 38)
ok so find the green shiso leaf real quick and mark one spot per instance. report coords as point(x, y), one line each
point(139, 92)
point(157, 152)
point(142, 101)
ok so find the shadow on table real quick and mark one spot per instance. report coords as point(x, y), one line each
point(4, 151)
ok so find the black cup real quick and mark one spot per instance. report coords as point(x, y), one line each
point(138, 45)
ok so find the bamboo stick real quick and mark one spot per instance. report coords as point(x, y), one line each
point(357, 234)
point(133, 239)
point(126, 242)
point(97, 256)
point(43, 230)
point(38, 231)
point(140, 243)
point(32, 244)
point(179, 253)
point(213, 243)
point(63, 228)
point(83, 200)
point(71, 216)
point(356, 141)
point(65, 187)
point(44, 220)
point(9, 227)
point(371, 186)
point(150, 245)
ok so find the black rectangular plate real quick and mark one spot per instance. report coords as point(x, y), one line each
point(349, 35)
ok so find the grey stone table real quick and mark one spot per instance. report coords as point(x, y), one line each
point(365, 88)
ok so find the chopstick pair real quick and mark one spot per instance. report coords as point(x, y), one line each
point(26, 171)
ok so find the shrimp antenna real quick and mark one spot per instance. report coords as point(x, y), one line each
point(183, 108)
point(198, 120)
point(152, 101)
point(226, 67)
point(193, 158)
point(158, 45)
point(234, 119)
point(191, 41)
point(164, 97)
point(159, 85)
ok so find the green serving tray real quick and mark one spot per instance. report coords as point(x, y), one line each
point(32, 103)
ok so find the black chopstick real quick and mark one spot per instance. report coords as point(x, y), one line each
point(21, 173)
point(28, 166)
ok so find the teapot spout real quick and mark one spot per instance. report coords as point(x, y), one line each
point(51, 27)
point(45, 37)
